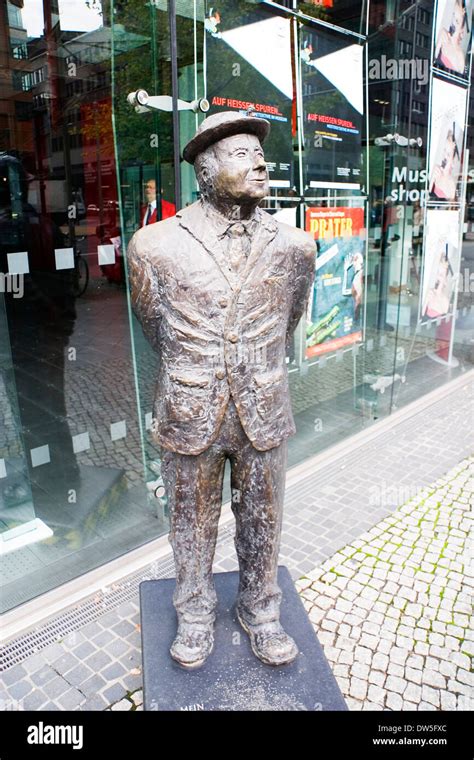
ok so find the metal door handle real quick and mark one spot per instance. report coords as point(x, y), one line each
point(144, 103)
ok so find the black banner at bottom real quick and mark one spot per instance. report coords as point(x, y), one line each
point(126, 734)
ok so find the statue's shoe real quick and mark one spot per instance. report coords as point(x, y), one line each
point(193, 644)
point(269, 642)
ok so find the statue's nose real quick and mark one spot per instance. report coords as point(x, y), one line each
point(259, 163)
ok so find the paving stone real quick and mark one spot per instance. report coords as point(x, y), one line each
point(326, 638)
point(71, 699)
point(360, 670)
point(56, 687)
point(42, 676)
point(353, 704)
point(430, 695)
point(96, 702)
point(84, 650)
point(395, 684)
point(448, 700)
point(123, 705)
point(464, 677)
point(358, 688)
point(78, 675)
point(425, 706)
point(132, 681)
point(103, 638)
point(377, 677)
point(137, 697)
point(113, 671)
point(124, 628)
point(66, 662)
point(12, 675)
point(376, 694)
point(384, 646)
point(113, 693)
point(93, 685)
point(415, 661)
point(465, 703)
point(132, 659)
point(35, 700)
point(447, 668)
point(399, 656)
point(52, 652)
point(346, 657)
point(432, 663)
point(34, 663)
point(73, 640)
point(369, 641)
point(433, 678)
point(98, 661)
point(393, 701)
point(411, 674)
point(412, 693)
point(395, 670)
point(109, 620)
point(20, 689)
point(127, 609)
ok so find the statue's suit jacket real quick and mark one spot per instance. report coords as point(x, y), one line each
point(219, 333)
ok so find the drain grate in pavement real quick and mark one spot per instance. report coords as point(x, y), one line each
point(103, 601)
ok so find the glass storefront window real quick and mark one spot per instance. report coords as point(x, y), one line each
point(376, 165)
point(72, 492)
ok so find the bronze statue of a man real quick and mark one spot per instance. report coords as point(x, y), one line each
point(219, 289)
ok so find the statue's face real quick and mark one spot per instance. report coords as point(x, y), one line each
point(242, 174)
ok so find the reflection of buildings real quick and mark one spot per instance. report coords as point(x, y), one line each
point(58, 112)
point(400, 104)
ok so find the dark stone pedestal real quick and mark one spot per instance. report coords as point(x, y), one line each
point(232, 678)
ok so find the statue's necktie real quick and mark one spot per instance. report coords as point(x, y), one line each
point(239, 245)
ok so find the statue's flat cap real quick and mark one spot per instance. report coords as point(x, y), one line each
point(224, 124)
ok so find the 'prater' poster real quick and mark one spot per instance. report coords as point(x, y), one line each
point(335, 308)
point(248, 65)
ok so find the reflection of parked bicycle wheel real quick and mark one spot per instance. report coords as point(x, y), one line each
point(81, 276)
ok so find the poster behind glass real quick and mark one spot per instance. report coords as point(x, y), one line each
point(335, 309)
point(453, 37)
point(448, 118)
point(441, 263)
point(248, 64)
point(332, 86)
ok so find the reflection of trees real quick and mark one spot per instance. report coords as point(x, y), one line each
point(315, 11)
point(96, 125)
point(347, 14)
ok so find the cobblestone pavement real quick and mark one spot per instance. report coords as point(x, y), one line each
point(393, 609)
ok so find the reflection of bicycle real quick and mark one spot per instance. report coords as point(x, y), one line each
point(81, 271)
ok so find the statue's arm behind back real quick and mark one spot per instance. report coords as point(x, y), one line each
point(305, 259)
point(144, 291)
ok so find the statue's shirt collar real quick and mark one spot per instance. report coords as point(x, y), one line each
point(222, 225)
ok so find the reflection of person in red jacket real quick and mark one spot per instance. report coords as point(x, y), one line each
point(148, 212)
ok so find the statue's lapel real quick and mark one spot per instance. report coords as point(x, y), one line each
point(266, 231)
point(196, 222)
